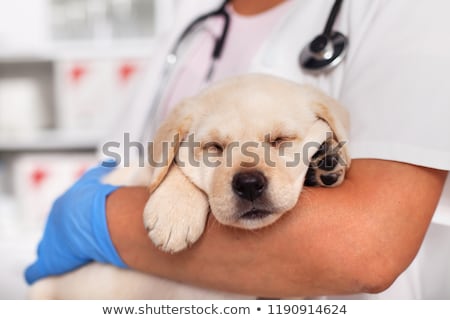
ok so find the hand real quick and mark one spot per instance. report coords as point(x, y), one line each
point(77, 232)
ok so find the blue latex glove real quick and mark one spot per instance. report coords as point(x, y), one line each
point(76, 232)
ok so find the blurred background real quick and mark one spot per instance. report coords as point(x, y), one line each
point(67, 70)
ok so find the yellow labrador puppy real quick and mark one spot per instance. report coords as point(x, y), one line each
point(242, 149)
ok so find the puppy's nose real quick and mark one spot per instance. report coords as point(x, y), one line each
point(249, 185)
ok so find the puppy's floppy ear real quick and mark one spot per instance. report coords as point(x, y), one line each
point(176, 212)
point(337, 118)
point(167, 141)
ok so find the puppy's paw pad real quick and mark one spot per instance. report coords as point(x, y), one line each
point(331, 179)
point(327, 167)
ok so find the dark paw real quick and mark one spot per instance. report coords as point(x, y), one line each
point(327, 167)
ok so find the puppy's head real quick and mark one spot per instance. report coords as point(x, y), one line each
point(247, 143)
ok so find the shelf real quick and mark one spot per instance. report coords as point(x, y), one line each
point(130, 48)
point(50, 140)
point(18, 56)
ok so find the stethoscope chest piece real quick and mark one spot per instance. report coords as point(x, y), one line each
point(324, 52)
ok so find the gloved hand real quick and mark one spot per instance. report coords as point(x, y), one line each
point(76, 232)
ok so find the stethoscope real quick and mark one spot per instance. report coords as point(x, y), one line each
point(322, 54)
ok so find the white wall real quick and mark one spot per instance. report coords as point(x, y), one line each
point(23, 23)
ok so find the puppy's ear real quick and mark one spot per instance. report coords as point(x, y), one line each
point(167, 141)
point(337, 118)
point(176, 212)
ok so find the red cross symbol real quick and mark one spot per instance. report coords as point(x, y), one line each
point(77, 72)
point(37, 176)
point(126, 70)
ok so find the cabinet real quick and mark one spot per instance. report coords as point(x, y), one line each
point(67, 69)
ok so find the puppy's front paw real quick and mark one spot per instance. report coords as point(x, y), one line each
point(327, 167)
point(173, 228)
point(175, 215)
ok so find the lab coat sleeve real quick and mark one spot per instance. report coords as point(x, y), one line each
point(394, 80)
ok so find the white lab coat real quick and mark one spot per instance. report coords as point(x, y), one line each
point(394, 83)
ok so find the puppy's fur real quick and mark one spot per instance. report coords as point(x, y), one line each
point(242, 149)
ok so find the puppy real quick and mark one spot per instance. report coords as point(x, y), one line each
point(242, 149)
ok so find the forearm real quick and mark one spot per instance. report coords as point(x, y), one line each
point(341, 240)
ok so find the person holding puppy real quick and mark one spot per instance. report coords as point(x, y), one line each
point(385, 230)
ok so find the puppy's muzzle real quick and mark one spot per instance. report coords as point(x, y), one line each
point(249, 185)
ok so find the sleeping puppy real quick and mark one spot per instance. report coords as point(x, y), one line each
point(242, 149)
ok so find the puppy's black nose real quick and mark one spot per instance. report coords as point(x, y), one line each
point(249, 185)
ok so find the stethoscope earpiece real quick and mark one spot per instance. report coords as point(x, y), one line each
point(324, 52)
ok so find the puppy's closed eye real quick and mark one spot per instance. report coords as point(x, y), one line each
point(280, 140)
point(213, 147)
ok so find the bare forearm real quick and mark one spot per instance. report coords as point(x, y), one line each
point(341, 240)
